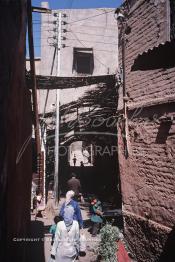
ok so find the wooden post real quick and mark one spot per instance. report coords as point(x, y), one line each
point(34, 89)
point(33, 77)
point(124, 91)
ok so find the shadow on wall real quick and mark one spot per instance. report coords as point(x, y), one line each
point(156, 58)
point(35, 248)
point(163, 132)
point(92, 119)
point(94, 113)
point(168, 254)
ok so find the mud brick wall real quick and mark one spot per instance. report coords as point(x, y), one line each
point(15, 132)
point(148, 173)
point(149, 23)
point(148, 183)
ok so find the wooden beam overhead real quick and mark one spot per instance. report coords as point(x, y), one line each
point(41, 10)
point(53, 82)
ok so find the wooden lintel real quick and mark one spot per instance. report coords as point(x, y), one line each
point(41, 10)
point(53, 82)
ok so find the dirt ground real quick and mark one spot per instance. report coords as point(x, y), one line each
point(40, 230)
point(39, 250)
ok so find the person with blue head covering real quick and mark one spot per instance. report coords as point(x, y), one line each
point(70, 202)
point(67, 236)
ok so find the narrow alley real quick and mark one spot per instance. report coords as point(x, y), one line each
point(48, 221)
point(41, 238)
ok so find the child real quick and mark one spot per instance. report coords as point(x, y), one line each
point(52, 229)
point(39, 205)
point(96, 215)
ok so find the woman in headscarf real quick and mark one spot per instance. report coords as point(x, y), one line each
point(77, 212)
point(67, 238)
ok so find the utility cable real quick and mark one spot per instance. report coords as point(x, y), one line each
point(90, 41)
point(72, 22)
point(45, 105)
point(84, 33)
point(86, 47)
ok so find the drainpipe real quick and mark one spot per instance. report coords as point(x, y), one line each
point(124, 88)
point(123, 60)
point(120, 17)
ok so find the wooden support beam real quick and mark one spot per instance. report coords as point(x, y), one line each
point(41, 10)
point(54, 82)
point(33, 77)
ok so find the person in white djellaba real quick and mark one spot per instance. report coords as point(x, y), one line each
point(67, 237)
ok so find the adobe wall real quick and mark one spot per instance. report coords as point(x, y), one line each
point(147, 175)
point(148, 181)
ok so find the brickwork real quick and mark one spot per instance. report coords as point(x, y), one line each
point(152, 149)
point(144, 229)
point(147, 174)
point(149, 27)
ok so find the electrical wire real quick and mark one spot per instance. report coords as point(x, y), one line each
point(84, 40)
point(82, 33)
point(90, 17)
point(38, 38)
point(51, 72)
point(70, 46)
point(94, 26)
point(81, 41)
point(54, 55)
point(86, 47)
point(83, 19)
point(77, 32)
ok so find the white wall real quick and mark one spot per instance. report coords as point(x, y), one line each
point(86, 28)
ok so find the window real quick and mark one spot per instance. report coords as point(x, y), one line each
point(83, 61)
